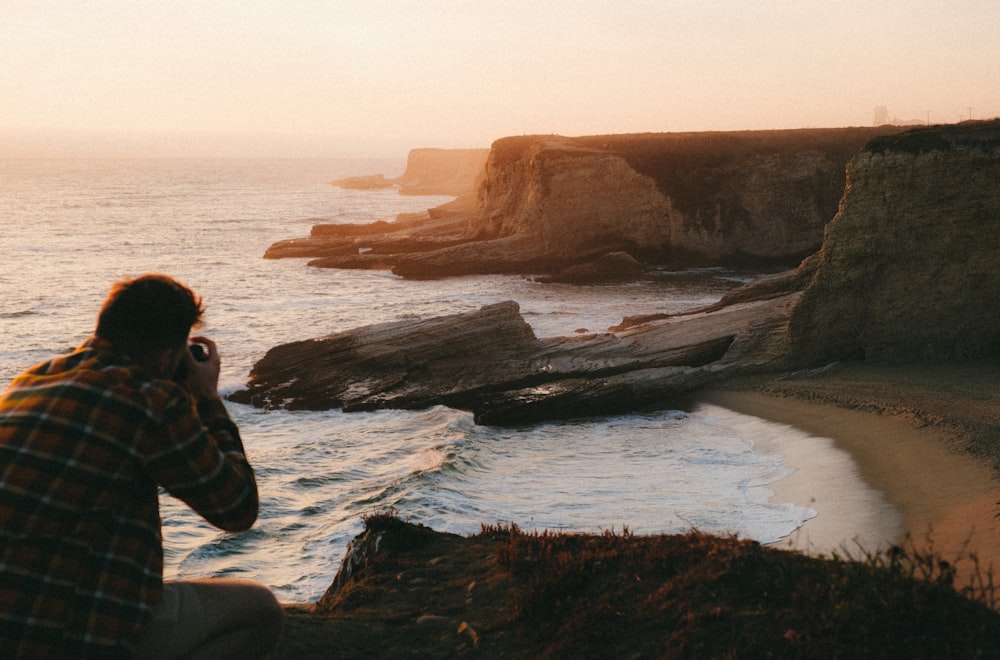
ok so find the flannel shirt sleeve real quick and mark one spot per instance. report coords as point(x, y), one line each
point(201, 461)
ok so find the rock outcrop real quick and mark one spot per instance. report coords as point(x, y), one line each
point(443, 171)
point(607, 268)
point(490, 362)
point(546, 203)
point(429, 172)
point(364, 182)
point(667, 198)
point(910, 265)
point(909, 270)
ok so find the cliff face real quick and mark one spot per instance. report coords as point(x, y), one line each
point(429, 172)
point(714, 196)
point(545, 203)
point(910, 265)
point(571, 196)
point(442, 171)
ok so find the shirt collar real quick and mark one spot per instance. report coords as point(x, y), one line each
point(99, 345)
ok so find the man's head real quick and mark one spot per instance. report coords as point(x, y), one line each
point(148, 315)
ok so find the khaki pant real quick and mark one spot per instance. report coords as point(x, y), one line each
point(212, 618)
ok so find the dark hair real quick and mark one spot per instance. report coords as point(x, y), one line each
point(148, 314)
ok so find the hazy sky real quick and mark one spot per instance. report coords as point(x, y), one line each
point(378, 77)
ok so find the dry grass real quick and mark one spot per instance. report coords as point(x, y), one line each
point(696, 595)
point(503, 593)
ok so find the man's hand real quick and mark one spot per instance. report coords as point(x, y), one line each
point(203, 375)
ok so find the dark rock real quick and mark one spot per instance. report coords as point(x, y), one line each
point(382, 538)
point(398, 364)
point(393, 240)
point(510, 255)
point(490, 362)
point(611, 267)
point(364, 261)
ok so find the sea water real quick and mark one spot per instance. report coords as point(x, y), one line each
point(70, 228)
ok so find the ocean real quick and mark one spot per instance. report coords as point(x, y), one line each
point(73, 227)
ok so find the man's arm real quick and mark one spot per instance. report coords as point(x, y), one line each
point(203, 463)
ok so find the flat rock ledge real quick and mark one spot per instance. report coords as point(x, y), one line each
point(490, 362)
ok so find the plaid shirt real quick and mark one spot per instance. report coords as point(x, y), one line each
point(84, 441)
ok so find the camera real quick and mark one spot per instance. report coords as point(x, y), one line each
point(199, 353)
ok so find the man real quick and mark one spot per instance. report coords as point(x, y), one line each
point(85, 439)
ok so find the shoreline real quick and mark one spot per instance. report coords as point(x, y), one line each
point(946, 498)
point(816, 474)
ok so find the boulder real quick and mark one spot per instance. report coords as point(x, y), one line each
point(392, 240)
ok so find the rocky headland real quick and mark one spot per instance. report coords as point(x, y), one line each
point(428, 172)
point(908, 269)
point(895, 316)
point(551, 205)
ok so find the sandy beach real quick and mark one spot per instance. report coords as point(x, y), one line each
point(922, 438)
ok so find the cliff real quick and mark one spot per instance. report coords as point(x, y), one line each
point(442, 171)
point(709, 197)
point(548, 203)
point(429, 172)
point(910, 265)
point(909, 270)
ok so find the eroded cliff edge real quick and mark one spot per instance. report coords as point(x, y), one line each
point(548, 203)
point(910, 265)
point(909, 269)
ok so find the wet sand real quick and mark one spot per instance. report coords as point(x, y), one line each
point(922, 438)
point(815, 474)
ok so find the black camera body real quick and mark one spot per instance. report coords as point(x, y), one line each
point(199, 353)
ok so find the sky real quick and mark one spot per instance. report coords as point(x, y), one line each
point(356, 78)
